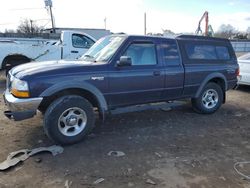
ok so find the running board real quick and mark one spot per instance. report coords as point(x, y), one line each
point(165, 106)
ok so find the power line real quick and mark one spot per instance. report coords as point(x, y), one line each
point(7, 23)
point(22, 9)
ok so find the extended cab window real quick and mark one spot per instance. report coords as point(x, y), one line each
point(170, 53)
point(207, 52)
point(142, 53)
point(222, 52)
point(81, 41)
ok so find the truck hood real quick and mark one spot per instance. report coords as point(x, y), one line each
point(46, 67)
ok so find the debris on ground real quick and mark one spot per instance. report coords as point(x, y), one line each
point(116, 153)
point(158, 155)
point(130, 184)
point(38, 160)
point(238, 114)
point(100, 180)
point(67, 184)
point(149, 181)
point(19, 156)
point(241, 165)
point(222, 178)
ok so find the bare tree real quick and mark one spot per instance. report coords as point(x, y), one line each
point(9, 31)
point(226, 31)
point(28, 26)
point(248, 30)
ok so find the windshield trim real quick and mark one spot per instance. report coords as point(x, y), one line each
point(109, 58)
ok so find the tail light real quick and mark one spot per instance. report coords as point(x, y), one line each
point(237, 72)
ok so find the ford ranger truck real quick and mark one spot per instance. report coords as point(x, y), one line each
point(120, 71)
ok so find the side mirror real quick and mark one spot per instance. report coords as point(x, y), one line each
point(124, 61)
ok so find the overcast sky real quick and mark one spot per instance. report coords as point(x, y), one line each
point(127, 15)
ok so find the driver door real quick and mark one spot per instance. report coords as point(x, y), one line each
point(141, 82)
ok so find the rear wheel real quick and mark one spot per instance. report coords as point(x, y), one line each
point(209, 100)
point(69, 119)
point(14, 61)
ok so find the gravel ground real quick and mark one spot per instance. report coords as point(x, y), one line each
point(172, 149)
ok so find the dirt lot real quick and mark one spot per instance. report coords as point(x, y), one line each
point(173, 149)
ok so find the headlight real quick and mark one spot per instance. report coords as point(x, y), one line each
point(19, 88)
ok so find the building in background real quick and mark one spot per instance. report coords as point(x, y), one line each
point(96, 33)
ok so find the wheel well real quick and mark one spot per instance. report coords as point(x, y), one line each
point(220, 82)
point(14, 57)
point(73, 91)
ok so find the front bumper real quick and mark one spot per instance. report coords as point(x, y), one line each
point(20, 109)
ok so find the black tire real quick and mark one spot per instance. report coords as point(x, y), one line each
point(200, 105)
point(14, 62)
point(56, 119)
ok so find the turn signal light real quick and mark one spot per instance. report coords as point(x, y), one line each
point(21, 94)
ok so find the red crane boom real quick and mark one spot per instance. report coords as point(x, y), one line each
point(204, 16)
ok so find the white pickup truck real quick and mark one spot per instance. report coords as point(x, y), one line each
point(16, 51)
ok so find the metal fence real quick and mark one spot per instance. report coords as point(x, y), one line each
point(30, 35)
point(241, 46)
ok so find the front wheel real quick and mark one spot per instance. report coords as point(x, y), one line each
point(209, 100)
point(69, 119)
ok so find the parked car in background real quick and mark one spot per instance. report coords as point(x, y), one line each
point(16, 51)
point(244, 75)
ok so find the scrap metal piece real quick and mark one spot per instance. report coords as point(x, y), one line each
point(21, 155)
point(14, 158)
point(100, 180)
point(116, 153)
point(54, 150)
point(149, 181)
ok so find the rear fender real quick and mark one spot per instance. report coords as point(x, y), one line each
point(208, 79)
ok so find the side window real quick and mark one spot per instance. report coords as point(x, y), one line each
point(142, 53)
point(81, 41)
point(222, 53)
point(205, 52)
point(170, 53)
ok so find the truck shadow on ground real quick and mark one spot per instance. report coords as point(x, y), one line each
point(244, 88)
point(146, 124)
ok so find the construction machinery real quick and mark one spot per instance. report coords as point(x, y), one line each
point(208, 28)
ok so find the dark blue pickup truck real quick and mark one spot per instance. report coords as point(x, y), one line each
point(120, 71)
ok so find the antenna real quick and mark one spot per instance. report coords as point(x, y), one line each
point(48, 4)
point(145, 23)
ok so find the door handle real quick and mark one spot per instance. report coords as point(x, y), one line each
point(74, 52)
point(157, 73)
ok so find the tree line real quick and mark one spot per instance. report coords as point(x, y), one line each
point(225, 30)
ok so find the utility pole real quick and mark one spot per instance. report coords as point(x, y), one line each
point(48, 4)
point(31, 26)
point(145, 23)
point(105, 23)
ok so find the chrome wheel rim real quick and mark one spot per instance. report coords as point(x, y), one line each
point(210, 98)
point(72, 121)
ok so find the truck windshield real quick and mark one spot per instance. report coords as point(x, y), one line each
point(103, 49)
